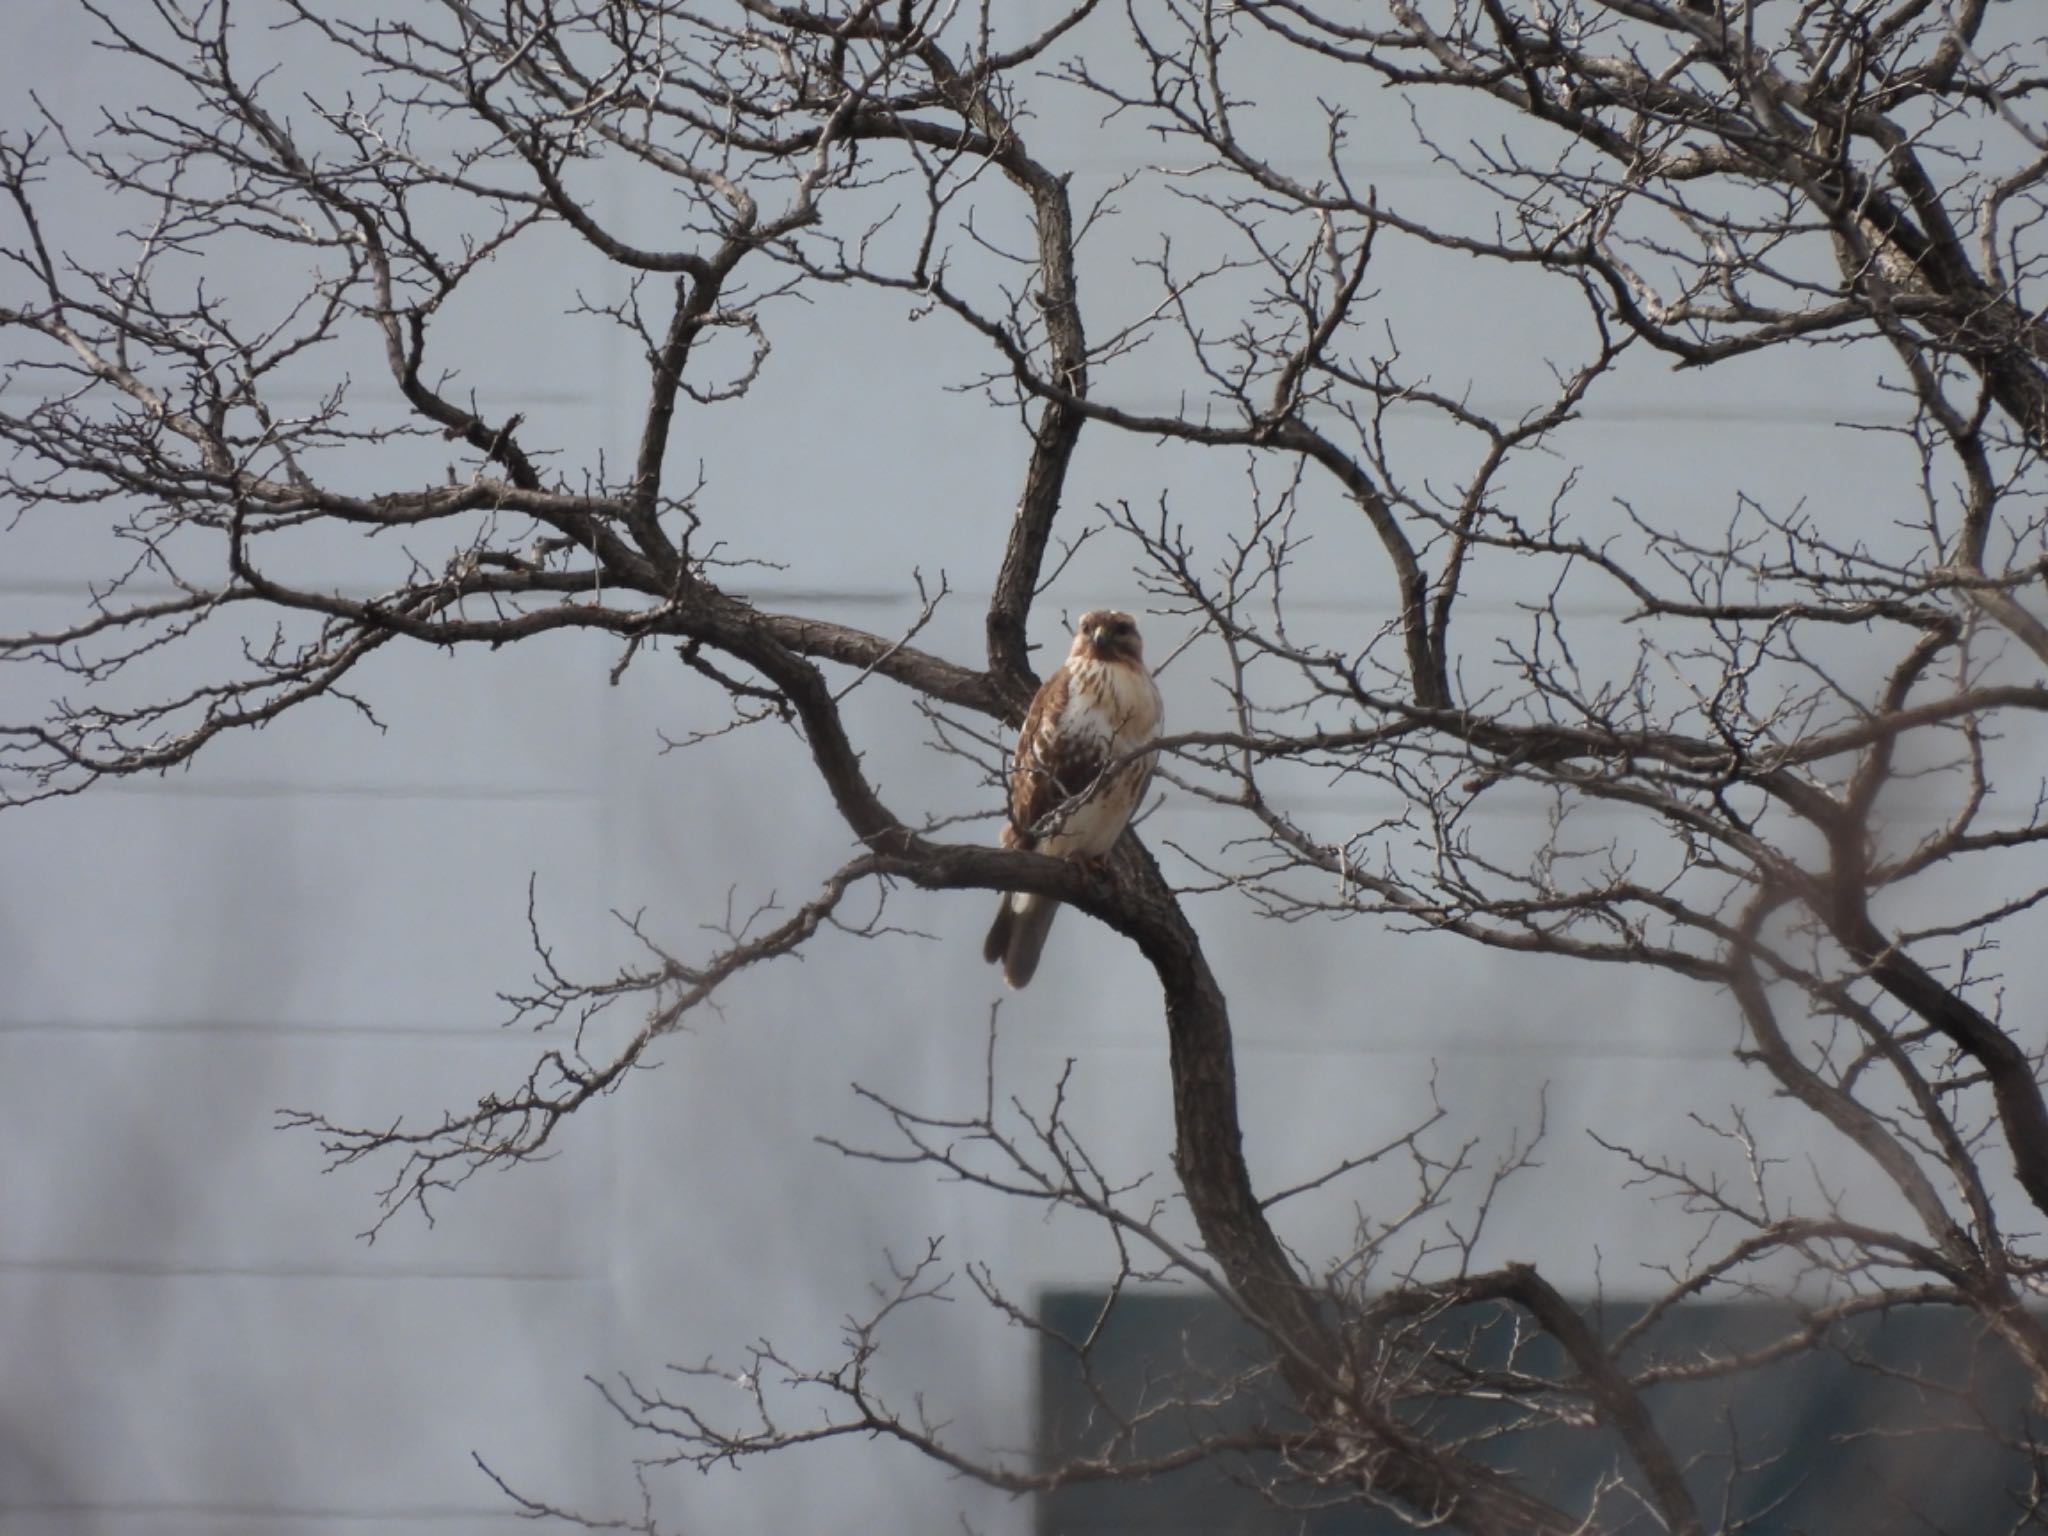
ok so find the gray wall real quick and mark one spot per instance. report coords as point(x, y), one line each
point(192, 1339)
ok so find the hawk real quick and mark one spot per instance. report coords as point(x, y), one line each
point(1074, 782)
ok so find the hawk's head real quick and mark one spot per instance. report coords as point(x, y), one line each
point(1108, 634)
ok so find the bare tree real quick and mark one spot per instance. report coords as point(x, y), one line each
point(1777, 729)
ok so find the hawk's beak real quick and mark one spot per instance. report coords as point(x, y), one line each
point(1098, 634)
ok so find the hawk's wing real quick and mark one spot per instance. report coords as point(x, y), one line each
point(1051, 765)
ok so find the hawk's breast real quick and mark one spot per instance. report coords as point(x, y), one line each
point(1110, 711)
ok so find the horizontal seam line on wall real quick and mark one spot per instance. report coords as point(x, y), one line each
point(274, 1029)
point(265, 1511)
point(143, 1271)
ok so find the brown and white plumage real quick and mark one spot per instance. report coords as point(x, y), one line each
point(1073, 782)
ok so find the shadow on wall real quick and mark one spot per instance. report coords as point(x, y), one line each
point(1890, 1429)
point(32, 1480)
point(134, 1363)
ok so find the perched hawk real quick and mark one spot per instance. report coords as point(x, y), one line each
point(1073, 783)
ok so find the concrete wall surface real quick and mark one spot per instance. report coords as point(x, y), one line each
point(194, 1338)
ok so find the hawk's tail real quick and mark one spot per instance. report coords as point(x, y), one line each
point(1017, 937)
